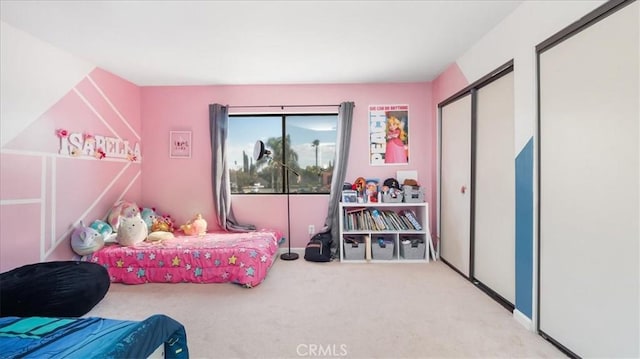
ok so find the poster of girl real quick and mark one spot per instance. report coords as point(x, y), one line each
point(397, 147)
point(388, 135)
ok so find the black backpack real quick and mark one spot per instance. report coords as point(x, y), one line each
point(319, 248)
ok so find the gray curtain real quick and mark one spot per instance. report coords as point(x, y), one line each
point(345, 119)
point(221, 185)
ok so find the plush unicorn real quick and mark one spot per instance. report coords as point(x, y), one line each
point(86, 240)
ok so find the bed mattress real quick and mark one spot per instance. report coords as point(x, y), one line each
point(49, 337)
point(215, 257)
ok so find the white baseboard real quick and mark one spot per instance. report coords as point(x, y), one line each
point(523, 320)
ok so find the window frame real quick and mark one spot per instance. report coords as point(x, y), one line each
point(283, 133)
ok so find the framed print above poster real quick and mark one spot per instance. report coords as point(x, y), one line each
point(388, 134)
point(180, 144)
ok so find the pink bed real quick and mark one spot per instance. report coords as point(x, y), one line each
point(216, 257)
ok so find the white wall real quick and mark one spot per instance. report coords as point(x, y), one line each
point(35, 75)
point(516, 38)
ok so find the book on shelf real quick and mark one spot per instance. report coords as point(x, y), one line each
point(406, 222)
point(366, 219)
point(395, 221)
point(375, 219)
point(401, 223)
point(412, 218)
point(355, 209)
point(387, 221)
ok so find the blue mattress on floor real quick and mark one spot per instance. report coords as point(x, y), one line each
point(46, 337)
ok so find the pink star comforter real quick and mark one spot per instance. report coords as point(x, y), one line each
point(216, 257)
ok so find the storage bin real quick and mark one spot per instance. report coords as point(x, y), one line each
point(412, 248)
point(412, 194)
point(382, 248)
point(353, 247)
point(392, 197)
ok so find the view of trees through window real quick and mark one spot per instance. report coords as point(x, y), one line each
point(308, 149)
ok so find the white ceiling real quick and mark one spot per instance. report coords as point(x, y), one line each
point(261, 42)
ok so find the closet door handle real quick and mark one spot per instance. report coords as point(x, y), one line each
point(463, 189)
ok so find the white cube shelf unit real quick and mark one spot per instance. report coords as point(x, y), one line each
point(385, 232)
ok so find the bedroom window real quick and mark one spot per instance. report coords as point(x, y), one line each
point(309, 149)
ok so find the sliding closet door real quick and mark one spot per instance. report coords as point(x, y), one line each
point(455, 179)
point(494, 188)
point(589, 188)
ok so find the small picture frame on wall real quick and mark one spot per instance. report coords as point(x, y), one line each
point(180, 144)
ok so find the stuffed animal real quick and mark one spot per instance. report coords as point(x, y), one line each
point(111, 239)
point(86, 240)
point(121, 209)
point(159, 236)
point(164, 224)
point(103, 227)
point(149, 216)
point(197, 226)
point(132, 230)
point(188, 229)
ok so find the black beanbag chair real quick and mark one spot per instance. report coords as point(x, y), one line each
point(52, 289)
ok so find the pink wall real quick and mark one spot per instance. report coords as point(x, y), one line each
point(182, 187)
point(44, 193)
point(447, 84)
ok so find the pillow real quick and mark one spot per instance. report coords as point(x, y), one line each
point(159, 236)
point(53, 289)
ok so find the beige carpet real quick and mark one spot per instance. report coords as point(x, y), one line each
point(315, 310)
